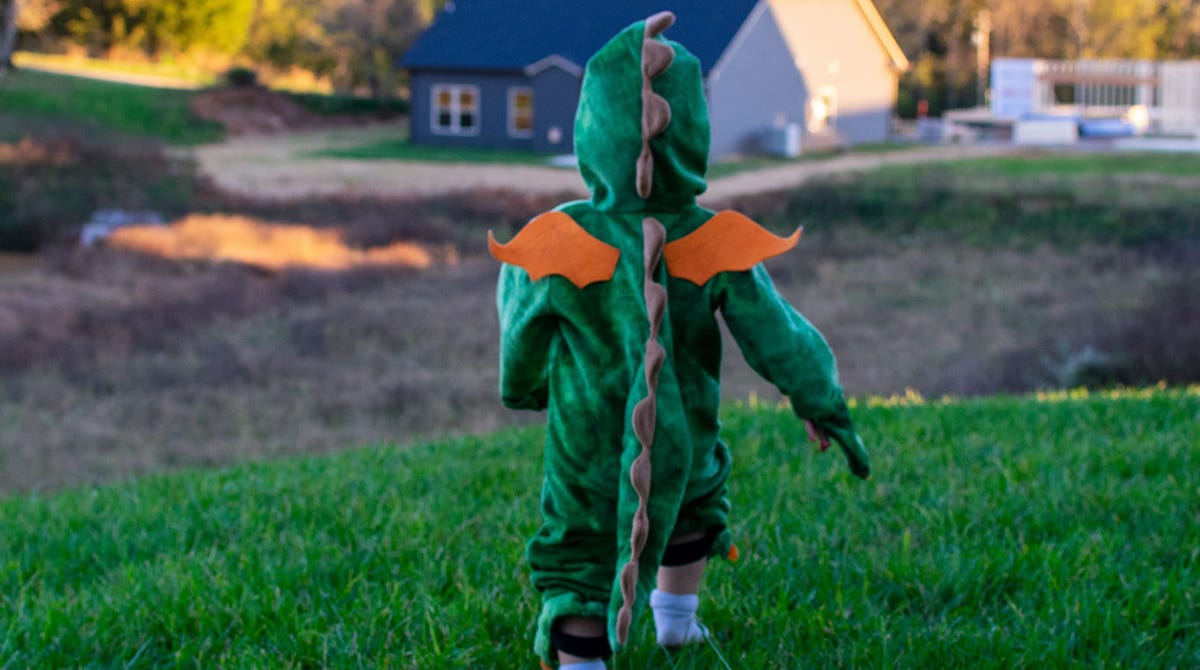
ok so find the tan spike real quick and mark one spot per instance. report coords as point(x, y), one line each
point(655, 25)
point(655, 357)
point(644, 415)
point(656, 114)
point(641, 524)
point(645, 172)
point(656, 111)
point(639, 474)
point(654, 237)
point(656, 58)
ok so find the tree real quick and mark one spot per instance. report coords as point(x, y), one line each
point(289, 33)
point(367, 37)
point(157, 27)
point(429, 8)
point(1181, 28)
point(97, 25)
point(1110, 28)
point(936, 36)
point(180, 26)
point(35, 15)
point(8, 33)
point(355, 43)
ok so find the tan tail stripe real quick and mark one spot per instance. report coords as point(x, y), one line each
point(645, 418)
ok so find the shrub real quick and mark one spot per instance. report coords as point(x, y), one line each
point(985, 210)
point(351, 105)
point(1156, 343)
point(241, 77)
point(1161, 342)
point(52, 181)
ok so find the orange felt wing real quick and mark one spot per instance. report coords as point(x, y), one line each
point(725, 243)
point(554, 244)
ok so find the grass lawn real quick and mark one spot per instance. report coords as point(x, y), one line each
point(403, 150)
point(400, 149)
point(1060, 164)
point(1068, 201)
point(47, 99)
point(735, 165)
point(1041, 532)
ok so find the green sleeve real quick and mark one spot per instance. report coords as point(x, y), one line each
point(783, 347)
point(528, 327)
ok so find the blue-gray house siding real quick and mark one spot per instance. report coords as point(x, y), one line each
point(754, 88)
point(543, 44)
point(555, 97)
point(828, 67)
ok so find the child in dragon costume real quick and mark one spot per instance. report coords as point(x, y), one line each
point(608, 321)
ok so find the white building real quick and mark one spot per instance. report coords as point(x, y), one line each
point(1162, 97)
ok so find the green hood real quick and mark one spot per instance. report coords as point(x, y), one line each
point(608, 127)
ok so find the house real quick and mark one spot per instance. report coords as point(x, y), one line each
point(506, 73)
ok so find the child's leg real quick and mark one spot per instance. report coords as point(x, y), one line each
point(585, 632)
point(683, 579)
point(675, 601)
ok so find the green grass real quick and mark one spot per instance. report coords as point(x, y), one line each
point(1060, 164)
point(1056, 164)
point(996, 533)
point(48, 99)
point(400, 149)
point(403, 150)
point(727, 167)
point(1023, 202)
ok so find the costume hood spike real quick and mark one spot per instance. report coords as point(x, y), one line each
point(641, 133)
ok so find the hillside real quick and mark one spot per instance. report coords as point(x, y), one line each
point(1050, 531)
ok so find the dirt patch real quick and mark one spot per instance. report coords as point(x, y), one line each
point(284, 166)
point(250, 110)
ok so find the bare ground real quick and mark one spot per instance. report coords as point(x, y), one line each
point(279, 167)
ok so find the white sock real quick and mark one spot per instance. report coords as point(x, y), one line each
point(675, 619)
point(586, 665)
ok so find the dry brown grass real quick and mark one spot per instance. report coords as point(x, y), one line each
point(53, 179)
point(948, 319)
point(186, 364)
point(315, 368)
point(13, 264)
point(270, 246)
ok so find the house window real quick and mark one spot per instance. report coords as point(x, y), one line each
point(455, 110)
point(520, 111)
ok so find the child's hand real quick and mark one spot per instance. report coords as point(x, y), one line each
point(815, 435)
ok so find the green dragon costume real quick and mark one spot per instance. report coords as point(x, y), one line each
point(608, 320)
